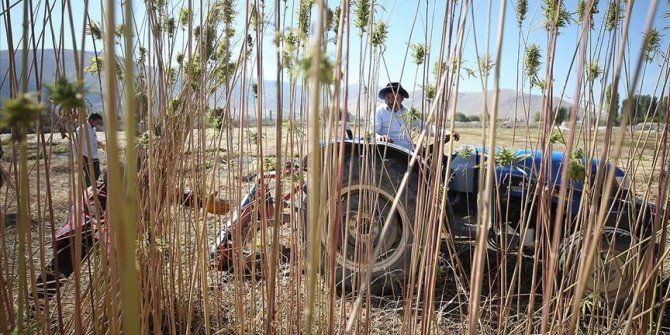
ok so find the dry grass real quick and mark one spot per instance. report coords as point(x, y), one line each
point(248, 290)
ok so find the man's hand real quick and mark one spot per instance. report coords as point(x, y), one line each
point(384, 138)
point(102, 146)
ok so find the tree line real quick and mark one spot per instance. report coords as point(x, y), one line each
point(644, 108)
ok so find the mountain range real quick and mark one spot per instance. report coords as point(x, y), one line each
point(469, 103)
point(45, 65)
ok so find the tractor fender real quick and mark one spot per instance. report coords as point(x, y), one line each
point(383, 150)
point(357, 147)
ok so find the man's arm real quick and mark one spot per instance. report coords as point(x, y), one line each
point(378, 122)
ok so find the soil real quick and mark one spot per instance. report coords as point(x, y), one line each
point(237, 299)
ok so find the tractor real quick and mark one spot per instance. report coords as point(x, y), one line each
point(383, 197)
point(371, 235)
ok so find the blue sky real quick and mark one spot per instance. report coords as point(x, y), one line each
point(399, 14)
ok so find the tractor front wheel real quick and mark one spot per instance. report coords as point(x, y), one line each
point(612, 274)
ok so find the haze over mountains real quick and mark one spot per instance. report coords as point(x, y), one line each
point(469, 103)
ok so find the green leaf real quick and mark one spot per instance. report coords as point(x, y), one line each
point(20, 113)
point(68, 95)
point(466, 151)
point(576, 170)
point(94, 30)
point(556, 137)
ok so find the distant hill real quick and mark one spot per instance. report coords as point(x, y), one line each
point(469, 103)
point(46, 67)
point(509, 103)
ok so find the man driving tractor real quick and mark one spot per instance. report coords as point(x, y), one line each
point(393, 123)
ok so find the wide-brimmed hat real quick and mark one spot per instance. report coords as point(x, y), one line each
point(394, 88)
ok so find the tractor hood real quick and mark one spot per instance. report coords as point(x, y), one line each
point(527, 162)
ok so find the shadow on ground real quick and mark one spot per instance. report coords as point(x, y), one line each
point(452, 291)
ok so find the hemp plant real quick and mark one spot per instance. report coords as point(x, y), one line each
point(521, 10)
point(362, 15)
point(486, 63)
point(613, 15)
point(20, 114)
point(379, 34)
point(593, 71)
point(68, 95)
point(556, 16)
point(582, 15)
point(652, 46)
point(418, 52)
point(532, 62)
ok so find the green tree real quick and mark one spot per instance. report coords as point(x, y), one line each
point(644, 107)
point(608, 99)
point(560, 114)
point(663, 109)
point(460, 117)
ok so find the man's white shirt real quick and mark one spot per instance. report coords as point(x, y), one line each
point(89, 149)
point(397, 125)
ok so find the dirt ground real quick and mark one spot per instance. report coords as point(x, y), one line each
point(385, 314)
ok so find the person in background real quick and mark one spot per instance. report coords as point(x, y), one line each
point(88, 146)
point(90, 223)
point(392, 121)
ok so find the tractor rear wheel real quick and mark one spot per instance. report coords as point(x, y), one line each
point(359, 212)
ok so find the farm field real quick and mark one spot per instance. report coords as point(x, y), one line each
point(229, 201)
point(227, 291)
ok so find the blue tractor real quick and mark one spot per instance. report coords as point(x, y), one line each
point(370, 215)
